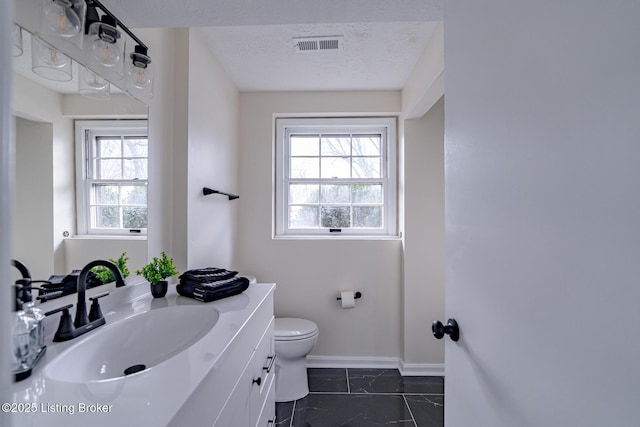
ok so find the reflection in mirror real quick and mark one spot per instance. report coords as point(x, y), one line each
point(46, 237)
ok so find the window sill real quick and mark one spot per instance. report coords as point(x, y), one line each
point(106, 237)
point(335, 237)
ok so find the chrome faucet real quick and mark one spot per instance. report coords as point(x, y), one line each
point(83, 323)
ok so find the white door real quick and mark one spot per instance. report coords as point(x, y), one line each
point(542, 154)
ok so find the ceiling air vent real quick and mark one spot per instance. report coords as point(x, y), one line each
point(318, 44)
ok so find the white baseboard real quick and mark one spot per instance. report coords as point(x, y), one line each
point(406, 369)
point(421, 369)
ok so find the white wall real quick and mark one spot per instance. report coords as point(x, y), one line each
point(425, 85)
point(80, 250)
point(33, 208)
point(212, 159)
point(161, 141)
point(57, 211)
point(204, 154)
point(424, 235)
point(311, 273)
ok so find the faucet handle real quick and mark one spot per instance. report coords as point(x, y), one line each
point(65, 327)
point(59, 309)
point(95, 313)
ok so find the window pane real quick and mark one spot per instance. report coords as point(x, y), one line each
point(335, 217)
point(134, 195)
point(367, 216)
point(303, 193)
point(336, 145)
point(134, 169)
point(108, 147)
point(305, 145)
point(336, 167)
point(105, 194)
point(366, 167)
point(366, 145)
point(302, 167)
point(303, 217)
point(134, 217)
point(335, 194)
point(367, 193)
point(109, 169)
point(106, 217)
point(135, 147)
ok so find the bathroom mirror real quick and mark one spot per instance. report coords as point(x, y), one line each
point(46, 237)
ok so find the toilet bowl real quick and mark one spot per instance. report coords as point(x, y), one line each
point(294, 339)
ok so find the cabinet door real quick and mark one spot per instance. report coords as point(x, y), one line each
point(236, 411)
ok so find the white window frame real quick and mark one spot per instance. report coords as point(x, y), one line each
point(285, 126)
point(85, 133)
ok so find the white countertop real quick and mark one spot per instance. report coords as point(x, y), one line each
point(148, 398)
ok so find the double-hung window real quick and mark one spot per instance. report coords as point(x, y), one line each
point(335, 177)
point(111, 176)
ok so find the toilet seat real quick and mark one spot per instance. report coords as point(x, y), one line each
point(291, 329)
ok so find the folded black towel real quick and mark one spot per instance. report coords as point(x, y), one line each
point(213, 291)
point(206, 275)
point(211, 283)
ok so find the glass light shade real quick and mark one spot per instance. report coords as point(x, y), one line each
point(60, 17)
point(92, 85)
point(49, 63)
point(138, 77)
point(17, 40)
point(106, 44)
point(140, 74)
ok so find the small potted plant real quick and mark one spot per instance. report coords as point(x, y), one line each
point(156, 273)
point(106, 276)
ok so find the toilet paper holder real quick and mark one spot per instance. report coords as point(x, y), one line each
point(356, 296)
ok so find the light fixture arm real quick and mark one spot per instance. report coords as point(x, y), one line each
point(96, 3)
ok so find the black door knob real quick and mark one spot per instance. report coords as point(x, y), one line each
point(451, 329)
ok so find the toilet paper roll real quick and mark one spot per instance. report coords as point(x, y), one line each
point(348, 299)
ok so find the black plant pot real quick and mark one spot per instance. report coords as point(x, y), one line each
point(160, 289)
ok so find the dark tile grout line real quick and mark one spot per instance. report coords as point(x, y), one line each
point(293, 411)
point(410, 412)
point(347, 375)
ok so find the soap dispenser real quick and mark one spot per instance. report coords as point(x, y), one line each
point(22, 333)
point(36, 340)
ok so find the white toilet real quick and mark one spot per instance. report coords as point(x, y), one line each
point(294, 340)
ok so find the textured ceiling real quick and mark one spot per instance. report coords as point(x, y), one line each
point(252, 39)
point(375, 56)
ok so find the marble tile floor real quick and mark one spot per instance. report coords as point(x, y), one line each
point(365, 397)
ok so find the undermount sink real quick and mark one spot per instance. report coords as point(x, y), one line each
point(133, 345)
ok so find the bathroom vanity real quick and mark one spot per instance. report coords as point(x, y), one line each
point(194, 364)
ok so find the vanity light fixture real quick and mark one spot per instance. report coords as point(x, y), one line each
point(48, 62)
point(17, 40)
point(107, 49)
